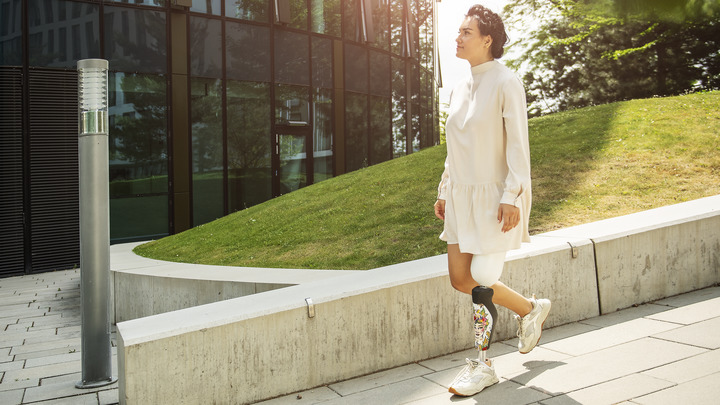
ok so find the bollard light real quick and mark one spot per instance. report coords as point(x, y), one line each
point(95, 297)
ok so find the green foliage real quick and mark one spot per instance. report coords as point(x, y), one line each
point(587, 164)
point(589, 52)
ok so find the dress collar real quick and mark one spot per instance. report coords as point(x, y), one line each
point(483, 67)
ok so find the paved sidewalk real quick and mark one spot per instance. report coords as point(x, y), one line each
point(666, 352)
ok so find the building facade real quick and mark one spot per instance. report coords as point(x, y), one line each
point(215, 106)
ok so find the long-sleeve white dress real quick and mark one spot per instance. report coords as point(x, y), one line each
point(488, 161)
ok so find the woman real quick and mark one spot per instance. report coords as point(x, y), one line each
point(484, 195)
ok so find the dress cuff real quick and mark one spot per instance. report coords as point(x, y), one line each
point(509, 198)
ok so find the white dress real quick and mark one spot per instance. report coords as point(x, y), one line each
point(488, 161)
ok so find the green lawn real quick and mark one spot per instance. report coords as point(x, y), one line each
point(587, 164)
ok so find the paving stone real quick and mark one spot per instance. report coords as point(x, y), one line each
point(690, 297)
point(307, 397)
point(558, 333)
point(611, 392)
point(705, 390)
point(12, 365)
point(38, 347)
point(108, 397)
point(455, 360)
point(625, 315)
point(609, 336)
point(50, 370)
point(13, 397)
point(80, 399)
point(704, 334)
point(692, 313)
point(397, 393)
point(71, 378)
point(58, 358)
point(13, 384)
point(61, 390)
point(505, 392)
point(49, 352)
point(601, 366)
point(688, 369)
point(379, 379)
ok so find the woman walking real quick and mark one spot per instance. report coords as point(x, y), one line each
point(484, 195)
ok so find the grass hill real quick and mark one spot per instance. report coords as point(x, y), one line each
point(587, 164)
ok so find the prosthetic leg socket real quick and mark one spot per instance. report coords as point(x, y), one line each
point(484, 315)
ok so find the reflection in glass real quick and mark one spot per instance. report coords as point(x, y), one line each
point(292, 105)
point(322, 72)
point(207, 149)
point(135, 40)
point(381, 23)
point(254, 10)
point(356, 129)
point(76, 38)
point(325, 17)
point(205, 48)
point(322, 134)
point(356, 68)
point(11, 49)
point(380, 130)
point(155, 3)
point(248, 144)
point(396, 26)
point(379, 74)
point(399, 102)
point(206, 6)
point(248, 52)
point(293, 162)
point(351, 20)
point(291, 58)
point(298, 14)
point(138, 154)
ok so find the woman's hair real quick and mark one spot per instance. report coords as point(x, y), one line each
point(490, 23)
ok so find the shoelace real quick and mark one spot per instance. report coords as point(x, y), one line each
point(520, 326)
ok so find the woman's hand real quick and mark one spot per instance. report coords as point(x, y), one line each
point(509, 215)
point(440, 209)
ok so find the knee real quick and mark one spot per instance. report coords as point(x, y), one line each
point(464, 286)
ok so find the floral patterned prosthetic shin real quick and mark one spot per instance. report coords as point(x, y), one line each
point(484, 315)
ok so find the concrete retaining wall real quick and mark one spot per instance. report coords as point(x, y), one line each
point(250, 348)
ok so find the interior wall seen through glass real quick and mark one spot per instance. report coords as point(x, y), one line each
point(11, 50)
point(292, 104)
point(206, 149)
point(322, 126)
point(248, 144)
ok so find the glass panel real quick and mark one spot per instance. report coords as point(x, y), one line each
point(11, 49)
point(380, 130)
point(135, 40)
point(206, 6)
point(248, 52)
point(322, 71)
point(351, 17)
point(396, 26)
point(205, 47)
point(155, 3)
point(325, 17)
point(416, 129)
point(80, 34)
point(138, 154)
point(207, 149)
point(356, 68)
point(322, 135)
point(291, 58)
point(138, 218)
point(426, 37)
point(248, 143)
point(292, 104)
point(399, 103)
point(381, 23)
point(356, 138)
point(298, 14)
point(255, 10)
point(380, 74)
point(293, 162)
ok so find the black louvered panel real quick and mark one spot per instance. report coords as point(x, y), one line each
point(11, 174)
point(55, 231)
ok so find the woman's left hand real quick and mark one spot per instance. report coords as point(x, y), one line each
point(509, 215)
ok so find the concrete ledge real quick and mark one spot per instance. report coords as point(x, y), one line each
point(255, 347)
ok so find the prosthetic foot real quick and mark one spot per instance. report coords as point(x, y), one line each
point(484, 314)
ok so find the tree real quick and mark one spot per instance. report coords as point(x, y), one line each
point(586, 52)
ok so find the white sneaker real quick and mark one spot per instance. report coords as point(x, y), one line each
point(473, 378)
point(530, 326)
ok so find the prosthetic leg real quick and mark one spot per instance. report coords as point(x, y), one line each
point(484, 314)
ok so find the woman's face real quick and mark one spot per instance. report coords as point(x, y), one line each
point(471, 44)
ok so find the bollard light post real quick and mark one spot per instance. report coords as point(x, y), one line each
point(96, 352)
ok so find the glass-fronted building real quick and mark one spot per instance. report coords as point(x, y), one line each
point(215, 106)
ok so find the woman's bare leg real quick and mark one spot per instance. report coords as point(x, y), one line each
point(462, 280)
point(511, 299)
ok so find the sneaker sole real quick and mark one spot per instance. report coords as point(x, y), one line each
point(544, 314)
point(454, 391)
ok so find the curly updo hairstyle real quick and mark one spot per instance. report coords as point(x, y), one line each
point(490, 23)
